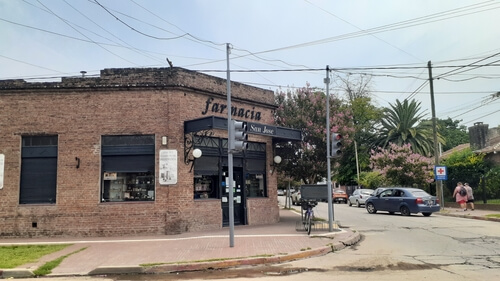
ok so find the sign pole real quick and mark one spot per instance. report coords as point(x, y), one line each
point(328, 155)
point(230, 139)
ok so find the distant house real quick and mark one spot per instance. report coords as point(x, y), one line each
point(482, 140)
point(487, 141)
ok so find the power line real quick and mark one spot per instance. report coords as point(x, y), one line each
point(475, 119)
point(155, 37)
point(390, 27)
point(84, 34)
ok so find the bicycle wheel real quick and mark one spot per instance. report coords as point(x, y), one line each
point(304, 221)
point(308, 223)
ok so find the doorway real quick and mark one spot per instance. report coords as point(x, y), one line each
point(238, 197)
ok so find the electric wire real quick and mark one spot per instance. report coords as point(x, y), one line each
point(63, 20)
point(152, 36)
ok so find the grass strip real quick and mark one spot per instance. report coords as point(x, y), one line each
point(14, 256)
point(497, 216)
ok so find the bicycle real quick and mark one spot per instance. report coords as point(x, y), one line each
point(308, 216)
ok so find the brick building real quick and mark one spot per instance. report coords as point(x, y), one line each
point(113, 155)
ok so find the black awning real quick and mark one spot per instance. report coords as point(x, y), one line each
point(213, 122)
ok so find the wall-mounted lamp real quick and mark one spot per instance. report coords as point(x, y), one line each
point(276, 162)
point(164, 140)
point(196, 154)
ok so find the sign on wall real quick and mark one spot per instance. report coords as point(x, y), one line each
point(2, 165)
point(168, 167)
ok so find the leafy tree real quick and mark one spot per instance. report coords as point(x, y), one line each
point(492, 184)
point(365, 118)
point(453, 133)
point(465, 166)
point(400, 166)
point(402, 124)
point(305, 109)
point(371, 179)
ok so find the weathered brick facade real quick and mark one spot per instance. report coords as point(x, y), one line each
point(119, 102)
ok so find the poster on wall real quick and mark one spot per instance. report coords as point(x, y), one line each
point(2, 165)
point(168, 166)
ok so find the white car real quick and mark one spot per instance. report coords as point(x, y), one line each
point(359, 197)
point(296, 198)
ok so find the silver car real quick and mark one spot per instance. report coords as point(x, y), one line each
point(359, 197)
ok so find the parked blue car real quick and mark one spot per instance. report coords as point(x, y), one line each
point(403, 200)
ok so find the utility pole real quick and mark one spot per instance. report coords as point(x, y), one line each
point(357, 160)
point(230, 139)
point(439, 183)
point(328, 155)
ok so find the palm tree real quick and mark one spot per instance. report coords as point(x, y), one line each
point(401, 124)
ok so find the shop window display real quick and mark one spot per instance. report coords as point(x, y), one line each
point(128, 187)
point(205, 186)
point(255, 186)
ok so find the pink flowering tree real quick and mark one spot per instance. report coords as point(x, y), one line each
point(305, 109)
point(400, 166)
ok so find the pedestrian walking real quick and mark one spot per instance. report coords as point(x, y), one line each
point(470, 196)
point(460, 194)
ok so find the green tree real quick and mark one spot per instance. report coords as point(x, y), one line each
point(453, 133)
point(365, 116)
point(305, 109)
point(465, 166)
point(400, 166)
point(402, 124)
point(371, 179)
point(492, 184)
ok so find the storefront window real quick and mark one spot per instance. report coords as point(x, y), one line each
point(128, 187)
point(38, 170)
point(255, 186)
point(205, 186)
point(128, 168)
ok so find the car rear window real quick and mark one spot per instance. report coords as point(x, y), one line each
point(420, 193)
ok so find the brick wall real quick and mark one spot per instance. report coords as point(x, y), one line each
point(80, 111)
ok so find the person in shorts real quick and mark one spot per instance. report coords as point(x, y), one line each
point(470, 196)
point(459, 198)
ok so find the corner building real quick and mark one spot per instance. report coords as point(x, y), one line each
point(113, 155)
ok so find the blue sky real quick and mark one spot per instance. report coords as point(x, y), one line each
point(272, 40)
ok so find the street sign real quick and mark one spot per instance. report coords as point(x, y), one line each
point(440, 173)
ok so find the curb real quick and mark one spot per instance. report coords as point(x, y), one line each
point(16, 273)
point(182, 267)
point(469, 217)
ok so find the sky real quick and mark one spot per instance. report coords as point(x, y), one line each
point(278, 45)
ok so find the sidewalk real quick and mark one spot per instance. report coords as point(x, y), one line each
point(477, 214)
point(262, 244)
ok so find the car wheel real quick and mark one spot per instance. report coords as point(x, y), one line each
point(357, 204)
point(426, 214)
point(405, 211)
point(350, 204)
point(370, 208)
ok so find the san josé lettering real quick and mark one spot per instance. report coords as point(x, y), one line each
point(262, 129)
point(215, 107)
